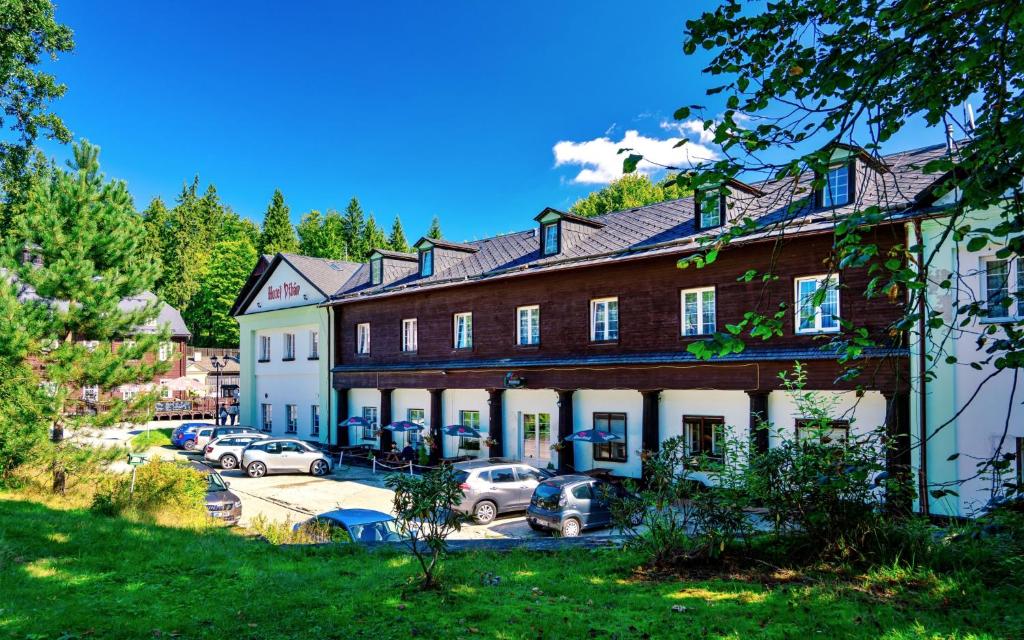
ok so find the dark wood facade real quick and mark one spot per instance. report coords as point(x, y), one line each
point(648, 292)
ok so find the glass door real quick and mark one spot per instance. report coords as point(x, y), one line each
point(536, 429)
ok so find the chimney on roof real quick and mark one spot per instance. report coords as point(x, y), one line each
point(949, 138)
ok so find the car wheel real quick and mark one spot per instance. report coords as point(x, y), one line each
point(228, 461)
point(319, 468)
point(256, 470)
point(570, 528)
point(190, 445)
point(484, 512)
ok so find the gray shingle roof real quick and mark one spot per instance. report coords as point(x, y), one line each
point(326, 275)
point(168, 316)
point(666, 227)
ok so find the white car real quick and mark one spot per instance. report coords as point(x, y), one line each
point(283, 455)
point(227, 450)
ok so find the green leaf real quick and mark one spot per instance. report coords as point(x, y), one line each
point(629, 164)
point(976, 243)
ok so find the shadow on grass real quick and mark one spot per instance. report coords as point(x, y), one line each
point(68, 571)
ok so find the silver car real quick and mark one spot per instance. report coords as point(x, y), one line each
point(227, 450)
point(284, 455)
point(496, 485)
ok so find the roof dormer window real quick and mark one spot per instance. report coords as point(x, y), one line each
point(836, 190)
point(550, 239)
point(710, 205)
point(426, 262)
point(376, 270)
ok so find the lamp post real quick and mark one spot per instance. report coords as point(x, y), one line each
point(217, 365)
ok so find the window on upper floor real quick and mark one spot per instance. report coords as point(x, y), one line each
point(264, 348)
point(314, 345)
point(463, 331)
point(817, 303)
point(289, 346)
point(836, 190)
point(698, 311)
point(710, 208)
point(550, 238)
point(426, 263)
point(528, 325)
point(376, 270)
point(1003, 287)
point(410, 339)
point(604, 319)
point(363, 338)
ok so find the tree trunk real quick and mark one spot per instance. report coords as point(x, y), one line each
point(59, 474)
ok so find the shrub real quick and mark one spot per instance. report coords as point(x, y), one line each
point(163, 491)
point(425, 515)
point(311, 532)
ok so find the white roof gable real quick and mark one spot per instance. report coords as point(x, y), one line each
point(284, 288)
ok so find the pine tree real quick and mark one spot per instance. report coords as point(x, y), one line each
point(86, 241)
point(434, 231)
point(397, 241)
point(278, 233)
point(353, 234)
point(373, 237)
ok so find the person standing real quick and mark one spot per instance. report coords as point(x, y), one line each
point(233, 411)
point(222, 416)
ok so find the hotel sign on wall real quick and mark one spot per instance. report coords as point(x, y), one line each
point(286, 290)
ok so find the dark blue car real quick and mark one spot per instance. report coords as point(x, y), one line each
point(184, 437)
point(351, 525)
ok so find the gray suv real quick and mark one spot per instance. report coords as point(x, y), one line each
point(496, 485)
point(284, 455)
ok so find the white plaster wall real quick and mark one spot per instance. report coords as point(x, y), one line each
point(404, 399)
point(357, 399)
point(732, 406)
point(455, 400)
point(280, 387)
point(520, 401)
point(301, 364)
point(865, 413)
point(586, 403)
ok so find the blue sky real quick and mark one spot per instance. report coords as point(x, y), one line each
point(453, 109)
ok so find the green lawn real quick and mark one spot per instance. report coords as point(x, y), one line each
point(151, 438)
point(69, 572)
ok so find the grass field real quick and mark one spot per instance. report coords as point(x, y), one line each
point(151, 438)
point(70, 574)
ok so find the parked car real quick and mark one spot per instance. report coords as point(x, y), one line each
point(352, 525)
point(221, 431)
point(570, 504)
point(496, 485)
point(284, 455)
point(227, 450)
point(197, 439)
point(179, 435)
point(221, 503)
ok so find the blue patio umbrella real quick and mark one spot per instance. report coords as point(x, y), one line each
point(354, 421)
point(403, 426)
point(595, 436)
point(462, 430)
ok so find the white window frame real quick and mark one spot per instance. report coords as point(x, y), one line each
point(818, 281)
point(314, 345)
point(370, 414)
point(830, 189)
point(266, 417)
point(715, 196)
point(415, 437)
point(291, 418)
point(533, 315)
point(551, 248)
point(128, 394)
point(289, 346)
point(410, 337)
point(164, 352)
point(314, 420)
point(607, 336)
point(702, 328)
point(376, 271)
point(466, 319)
point(363, 339)
point(264, 349)
point(1014, 288)
point(91, 393)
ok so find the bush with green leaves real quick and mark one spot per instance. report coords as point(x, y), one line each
point(425, 515)
point(164, 491)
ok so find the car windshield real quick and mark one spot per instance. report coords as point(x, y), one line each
point(216, 483)
point(546, 496)
point(383, 531)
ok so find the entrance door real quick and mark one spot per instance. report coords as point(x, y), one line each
point(536, 431)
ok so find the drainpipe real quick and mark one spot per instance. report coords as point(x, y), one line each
point(330, 382)
point(922, 368)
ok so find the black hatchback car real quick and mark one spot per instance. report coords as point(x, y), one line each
point(570, 504)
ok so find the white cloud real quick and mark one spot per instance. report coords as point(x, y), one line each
point(600, 162)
